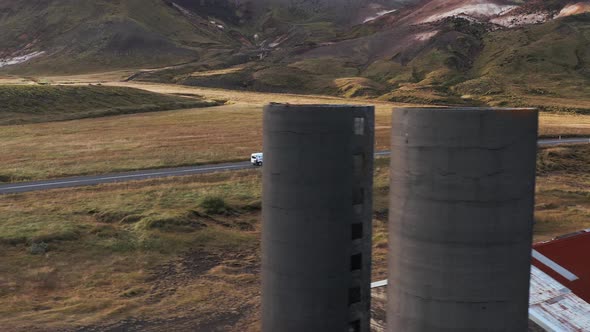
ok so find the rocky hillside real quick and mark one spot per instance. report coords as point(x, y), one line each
point(438, 51)
point(497, 52)
point(81, 36)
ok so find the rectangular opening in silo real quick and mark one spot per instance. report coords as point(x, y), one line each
point(358, 164)
point(358, 196)
point(359, 126)
point(357, 231)
point(358, 209)
point(354, 295)
point(356, 262)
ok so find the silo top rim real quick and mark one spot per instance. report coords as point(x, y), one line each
point(468, 109)
point(324, 106)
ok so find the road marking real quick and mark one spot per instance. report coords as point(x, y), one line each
point(125, 177)
point(564, 141)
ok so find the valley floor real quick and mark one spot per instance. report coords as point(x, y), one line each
point(196, 136)
point(183, 254)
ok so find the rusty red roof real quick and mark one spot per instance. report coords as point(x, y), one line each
point(567, 260)
point(560, 283)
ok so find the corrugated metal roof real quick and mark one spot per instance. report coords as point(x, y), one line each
point(552, 306)
point(555, 307)
point(560, 283)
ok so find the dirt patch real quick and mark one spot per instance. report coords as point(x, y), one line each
point(187, 269)
point(167, 278)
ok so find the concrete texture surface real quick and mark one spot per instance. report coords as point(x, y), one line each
point(317, 212)
point(461, 219)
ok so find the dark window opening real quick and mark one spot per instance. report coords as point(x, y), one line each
point(357, 231)
point(358, 164)
point(358, 196)
point(356, 262)
point(355, 326)
point(354, 295)
point(358, 209)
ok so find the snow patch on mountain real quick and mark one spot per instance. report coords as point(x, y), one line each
point(182, 9)
point(475, 10)
point(540, 15)
point(425, 36)
point(378, 15)
point(19, 59)
point(512, 21)
point(575, 9)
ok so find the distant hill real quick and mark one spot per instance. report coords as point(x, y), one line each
point(23, 104)
point(82, 36)
point(501, 52)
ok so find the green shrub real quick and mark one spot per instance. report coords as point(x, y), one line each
point(39, 248)
point(110, 217)
point(253, 206)
point(214, 205)
point(170, 223)
point(133, 292)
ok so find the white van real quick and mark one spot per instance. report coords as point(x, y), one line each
point(256, 159)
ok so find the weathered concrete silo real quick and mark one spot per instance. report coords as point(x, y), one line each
point(317, 202)
point(461, 219)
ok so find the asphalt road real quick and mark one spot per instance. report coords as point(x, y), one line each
point(79, 181)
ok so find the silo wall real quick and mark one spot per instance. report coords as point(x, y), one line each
point(317, 202)
point(461, 219)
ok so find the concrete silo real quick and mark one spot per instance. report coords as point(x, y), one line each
point(317, 202)
point(461, 219)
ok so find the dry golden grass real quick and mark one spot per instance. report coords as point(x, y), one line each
point(577, 103)
point(98, 77)
point(566, 124)
point(105, 264)
point(112, 267)
point(186, 137)
point(94, 78)
point(175, 138)
point(563, 191)
point(223, 71)
point(563, 205)
point(9, 80)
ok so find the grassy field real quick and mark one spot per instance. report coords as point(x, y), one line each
point(150, 140)
point(174, 138)
point(563, 191)
point(186, 250)
point(168, 249)
point(24, 104)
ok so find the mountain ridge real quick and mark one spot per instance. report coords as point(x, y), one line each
point(432, 51)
